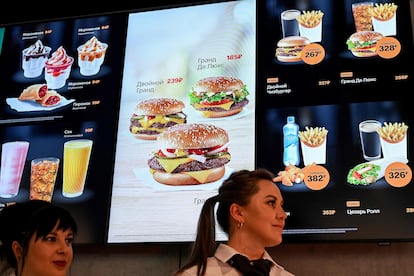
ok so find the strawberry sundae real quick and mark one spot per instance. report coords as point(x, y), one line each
point(91, 56)
point(58, 68)
point(34, 58)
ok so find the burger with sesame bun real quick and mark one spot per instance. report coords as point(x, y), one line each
point(364, 43)
point(152, 116)
point(190, 154)
point(220, 96)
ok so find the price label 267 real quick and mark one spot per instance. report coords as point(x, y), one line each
point(313, 53)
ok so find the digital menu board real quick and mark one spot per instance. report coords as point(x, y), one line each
point(333, 116)
point(59, 95)
point(319, 95)
point(192, 66)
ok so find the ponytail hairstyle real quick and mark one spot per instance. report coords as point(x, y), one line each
point(238, 188)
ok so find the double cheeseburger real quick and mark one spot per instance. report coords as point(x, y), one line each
point(153, 116)
point(364, 43)
point(190, 154)
point(289, 49)
point(220, 96)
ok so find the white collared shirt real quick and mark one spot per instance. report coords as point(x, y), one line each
point(218, 266)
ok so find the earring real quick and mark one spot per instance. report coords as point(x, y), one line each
point(240, 225)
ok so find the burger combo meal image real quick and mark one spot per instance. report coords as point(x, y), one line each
point(219, 96)
point(190, 154)
point(382, 145)
point(298, 29)
point(372, 23)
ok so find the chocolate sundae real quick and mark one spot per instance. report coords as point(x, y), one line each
point(34, 58)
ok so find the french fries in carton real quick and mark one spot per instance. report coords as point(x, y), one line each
point(383, 11)
point(313, 136)
point(393, 132)
point(310, 19)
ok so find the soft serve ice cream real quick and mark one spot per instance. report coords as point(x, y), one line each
point(91, 56)
point(58, 68)
point(34, 58)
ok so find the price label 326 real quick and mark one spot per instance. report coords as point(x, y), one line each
point(398, 174)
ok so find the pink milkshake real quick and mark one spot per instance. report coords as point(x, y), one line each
point(13, 157)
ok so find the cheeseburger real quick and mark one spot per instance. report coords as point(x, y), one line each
point(152, 116)
point(364, 43)
point(190, 154)
point(220, 96)
point(289, 49)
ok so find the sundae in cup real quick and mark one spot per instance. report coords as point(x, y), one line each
point(58, 68)
point(34, 58)
point(91, 56)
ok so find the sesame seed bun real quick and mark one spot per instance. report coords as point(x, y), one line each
point(159, 106)
point(291, 41)
point(218, 84)
point(192, 136)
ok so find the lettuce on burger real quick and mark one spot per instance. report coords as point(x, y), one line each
point(364, 43)
point(190, 154)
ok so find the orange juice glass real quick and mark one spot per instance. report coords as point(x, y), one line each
point(76, 157)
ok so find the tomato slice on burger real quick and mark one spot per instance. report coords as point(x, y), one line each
point(197, 151)
point(222, 101)
point(190, 151)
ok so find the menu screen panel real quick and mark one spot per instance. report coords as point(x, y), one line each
point(333, 117)
point(60, 91)
point(203, 64)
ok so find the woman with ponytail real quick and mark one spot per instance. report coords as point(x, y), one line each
point(250, 212)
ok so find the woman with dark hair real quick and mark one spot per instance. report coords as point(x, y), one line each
point(36, 239)
point(250, 212)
